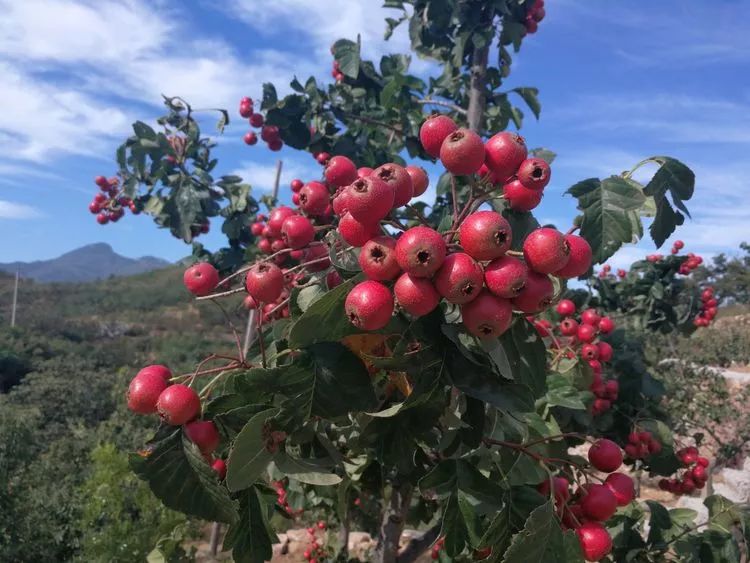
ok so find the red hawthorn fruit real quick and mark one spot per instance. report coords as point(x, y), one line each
point(340, 171)
point(314, 198)
point(340, 201)
point(144, 391)
point(399, 180)
point(482, 553)
point(250, 138)
point(276, 219)
point(532, 26)
point(590, 352)
point(94, 207)
point(416, 296)
point(654, 447)
point(420, 251)
point(257, 228)
point(275, 145)
point(462, 152)
point(369, 199)
point(606, 325)
point(220, 466)
point(521, 198)
point(599, 502)
point(102, 218)
point(256, 120)
point(600, 406)
point(434, 131)
point(296, 185)
point(159, 369)
point(369, 305)
point(459, 279)
point(204, 434)
point(419, 179)
point(277, 244)
point(506, 276)
point(568, 327)
point(178, 404)
point(364, 171)
point(590, 317)
point(605, 455)
point(545, 250)
point(536, 295)
point(485, 235)
point(612, 389)
point(333, 279)
point(378, 259)
point(355, 233)
point(565, 308)
point(504, 153)
point(249, 302)
point(560, 484)
point(595, 365)
point(622, 487)
point(269, 133)
point(487, 316)
point(297, 231)
point(580, 257)
point(595, 541)
point(264, 245)
point(264, 281)
point(679, 245)
point(322, 157)
point(702, 461)
point(699, 473)
point(534, 173)
point(605, 351)
point(201, 279)
point(102, 182)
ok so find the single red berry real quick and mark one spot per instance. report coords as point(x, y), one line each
point(340, 171)
point(521, 198)
point(257, 228)
point(590, 317)
point(632, 451)
point(434, 131)
point(322, 157)
point(599, 502)
point(399, 180)
point(220, 466)
point(605, 351)
point(250, 138)
point(568, 327)
point(654, 447)
point(369, 199)
point(364, 171)
point(419, 180)
point(586, 333)
point(590, 352)
point(420, 251)
point(506, 276)
point(462, 152)
point(369, 305)
point(264, 245)
point(504, 153)
point(534, 173)
point(264, 281)
point(536, 295)
point(333, 279)
point(340, 203)
point(459, 279)
point(275, 145)
point(596, 543)
point(595, 365)
point(204, 434)
point(560, 484)
point(144, 391)
point(580, 257)
point(612, 389)
point(702, 461)
point(201, 279)
point(565, 308)
point(94, 207)
point(416, 296)
point(269, 133)
point(256, 120)
point(296, 185)
point(102, 218)
point(378, 259)
point(606, 325)
point(622, 487)
point(178, 404)
point(321, 525)
point(102, 182)
point(545, 250)
point(297, 231)
point(277, 245)
point(605, 455)
point(314, 198)
point(355, 233)
point(485, 235)
point(487, 316)
point(249, 302)
point(679, 245)
point(276, 219)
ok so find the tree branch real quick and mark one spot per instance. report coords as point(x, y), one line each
point(478, 85)
point(449, 105)
point(418, 546)
point(393, 523)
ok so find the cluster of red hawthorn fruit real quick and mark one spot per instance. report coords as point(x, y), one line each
point(152, 391)
point(268, 133)
point(282, 501)
point(641, 444)
point(108, 205)
point(709, 308)
point(535, 14)
point(315, 552)
point(338, 76)
point(694, 475)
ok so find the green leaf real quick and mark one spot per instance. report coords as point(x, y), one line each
point(609, 213)
point(249, 456)
point(542, 540)
point(144, 131)
point(531, 97)
point(561, 393)
point(723, 514)
point(252, 538)
point(270, 98)
point(347, 53)
point(180, 477)
point(545, 154)
point(673, 177)
point(526, 356)
point(310, 471)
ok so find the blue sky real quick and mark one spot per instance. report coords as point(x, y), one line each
point(619, 81)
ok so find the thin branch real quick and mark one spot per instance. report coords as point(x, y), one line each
point(222, 294)
point(449, 105)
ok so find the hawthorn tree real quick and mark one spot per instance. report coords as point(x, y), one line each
point(455, 411)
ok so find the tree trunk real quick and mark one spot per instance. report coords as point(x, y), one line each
point(419, 545)
point(213, 546)
point(477, 91)
point(393, 524)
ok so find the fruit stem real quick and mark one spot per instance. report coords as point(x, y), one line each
point(222, 294)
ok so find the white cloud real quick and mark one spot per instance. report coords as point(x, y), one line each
point(262, 176)
point(12, 210)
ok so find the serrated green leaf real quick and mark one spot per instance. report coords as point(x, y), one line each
point(252, 538)
point(249, 456)
point(531, 97)
point(347, 53)
point(542, 540)
point(310, 471)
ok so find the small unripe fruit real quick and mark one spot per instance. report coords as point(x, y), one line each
point(399, 180)
point(605, 351)
point(487, 316)
point(485, 235)
point(504, 153)
point(599, 502)
point(369, 199)
point(178, 404)
point(595, 541)
point(416, 296)
point(220, 466)
point(521, 198)
point(201, 279)
point(565, 308)
point(204, 434)
point(264, 281)
point(590, 317)
point(340, 171)
point(378, 259)
point(434, 131)
point(144, 391)
point(545, 250)
point(606, 325)
point(369, 305)
point(250, 138)
point(580, 257)
point(568, 327)
point(622, 487)
point(297, 231)
point(462, 152)
point(419, 180)
point(605, 455)
point(276, 219)
point(534, 173)
point(506, 276)
point(536, 295)
point(355, 233)
point(420, 251)
point(459, 279)
point(314, 198)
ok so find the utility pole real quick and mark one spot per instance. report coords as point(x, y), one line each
point(15, 299)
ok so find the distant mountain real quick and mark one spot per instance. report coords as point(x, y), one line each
point(88, 263)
